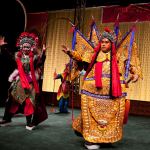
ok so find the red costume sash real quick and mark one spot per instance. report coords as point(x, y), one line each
point(98, 74)
point(24, 82)
point(115, 80)
point(64, 87)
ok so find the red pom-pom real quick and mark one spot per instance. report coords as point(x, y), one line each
point(19, 54)
point(72, 29)
point(107, 29)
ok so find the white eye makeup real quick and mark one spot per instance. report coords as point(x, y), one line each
point(26, 46)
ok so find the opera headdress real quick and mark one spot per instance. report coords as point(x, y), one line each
point(108, 34)
point(26, 37)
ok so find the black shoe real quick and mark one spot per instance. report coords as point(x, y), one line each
point(107, 145)
point(4, 123)
point(58, 113)
point(66, 112)
point(78, 133)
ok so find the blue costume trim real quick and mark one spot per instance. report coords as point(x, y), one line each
point(100, 96)
point(129, 54)
point(93, 78)
point(104, 76)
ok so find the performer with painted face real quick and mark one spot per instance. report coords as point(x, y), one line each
point(24, 88)
point(103, 93)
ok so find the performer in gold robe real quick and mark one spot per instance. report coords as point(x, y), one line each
point(103, 92)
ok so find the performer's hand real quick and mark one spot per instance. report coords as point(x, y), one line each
point(19, 54)
point(44, 48)
point(135, 77)
point(132, 70)
point(55, 75)
point(65, 49)
point(2, 41)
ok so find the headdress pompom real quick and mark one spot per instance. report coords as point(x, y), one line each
point(107, 29)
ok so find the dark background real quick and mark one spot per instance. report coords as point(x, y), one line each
point(46, 5)
point(12, 21)
point(11, 24)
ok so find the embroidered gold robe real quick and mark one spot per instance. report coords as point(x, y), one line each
point(101, 118)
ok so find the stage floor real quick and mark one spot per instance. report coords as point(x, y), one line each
point(56, 133)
